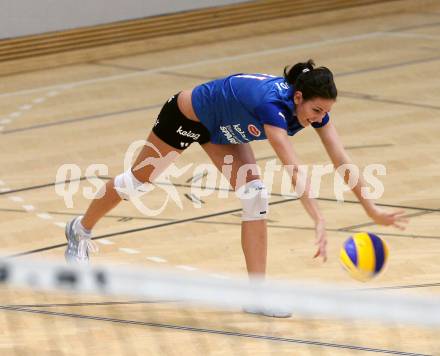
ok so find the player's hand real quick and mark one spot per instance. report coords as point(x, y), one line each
point(387, 218)
point(321, 240)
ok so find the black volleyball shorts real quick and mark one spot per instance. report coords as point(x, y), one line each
point(176, 129)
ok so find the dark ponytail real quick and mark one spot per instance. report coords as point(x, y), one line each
point(312, 82)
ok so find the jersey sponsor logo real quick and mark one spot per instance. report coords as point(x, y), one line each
point(226, 130)
point(254, 131)
point(189, 133)
point(240, 131)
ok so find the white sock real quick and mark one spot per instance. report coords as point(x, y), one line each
point(81, 229)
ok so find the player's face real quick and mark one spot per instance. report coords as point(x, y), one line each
point(313, 110)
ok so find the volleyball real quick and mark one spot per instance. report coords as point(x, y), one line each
point(364, 255)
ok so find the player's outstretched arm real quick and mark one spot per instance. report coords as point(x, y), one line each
point(337, 153)
point(284, 149)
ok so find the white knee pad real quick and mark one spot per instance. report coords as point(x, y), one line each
point(254, 200)
point(127, 185)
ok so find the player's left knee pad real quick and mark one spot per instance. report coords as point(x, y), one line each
point(254, 200)
point(127, 185)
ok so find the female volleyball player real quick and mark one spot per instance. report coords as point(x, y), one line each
point(223, 116)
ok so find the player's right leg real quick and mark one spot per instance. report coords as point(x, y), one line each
point(172, 133)
point(154, 158)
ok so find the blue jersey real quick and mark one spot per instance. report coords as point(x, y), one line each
point(235, 108)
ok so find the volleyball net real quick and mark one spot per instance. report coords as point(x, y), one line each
point(47, 307)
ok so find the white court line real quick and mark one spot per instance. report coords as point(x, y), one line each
point(16, 199)
point(45, 216)
point(186, 268)
point(15, 114)
point(156, 259)
point(5, 121)
point(28, 207)
point(38, 100)
point(332, 41)
point(129, 250)
point(105, 242)
point(220, 276)
point(60, 224)
point(4, 190)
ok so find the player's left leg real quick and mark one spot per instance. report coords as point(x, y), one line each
point(246, 181)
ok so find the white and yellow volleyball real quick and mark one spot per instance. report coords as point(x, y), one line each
point(364, 255)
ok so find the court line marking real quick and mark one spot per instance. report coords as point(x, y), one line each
point(219, 59)
point(357, 226)
point(388, 66)
point(155, 106)
point(270, 224)
point(16, 199)
point(106, 242)
point(413, 35)
point(84, 118)
point(344, 74)
point(428, 237)
point(209, 188)
point(44, 216)
point(86, 304)
point(124, 232)
point(309, 228)
point(107, 216)
point(253, 54)
point(150, 227)
point(27, 207)
point(130, 251)
point(186, 268)
point(359, 96)
point(190, 268)
point(336, 40)
point(379, 145)
point(217, 275)
point(26, 107)
point(408, 286)
point(156, 259)
point(45, 185)
point(212, 331)
point(186, 75)
point(346, 229)
point(413, 27)
point(114, 65)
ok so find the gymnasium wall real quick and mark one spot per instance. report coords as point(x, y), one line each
point(24, 17)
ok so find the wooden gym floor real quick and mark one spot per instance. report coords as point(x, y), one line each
point(388, 72)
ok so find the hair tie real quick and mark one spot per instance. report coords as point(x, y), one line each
point(305, 70)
